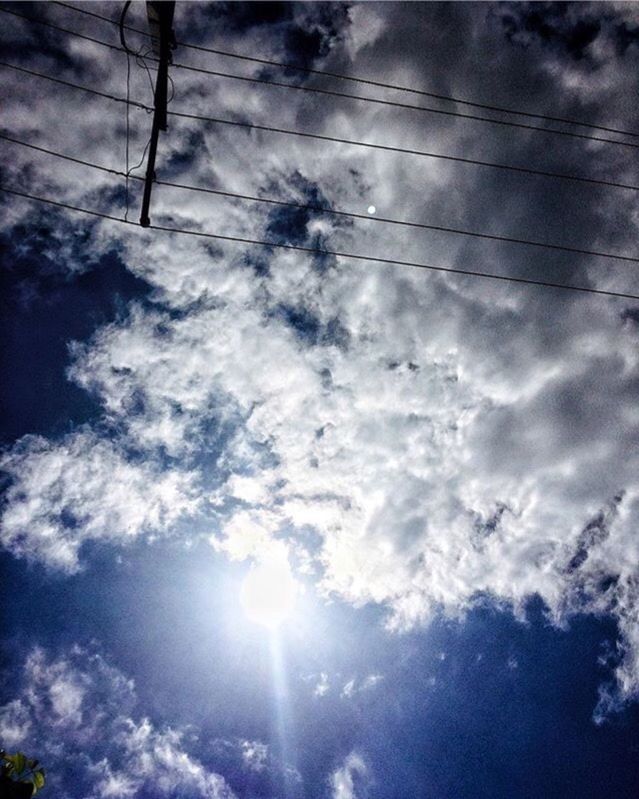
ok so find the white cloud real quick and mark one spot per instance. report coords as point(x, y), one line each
point(158, 758)
point(112, 784)
point(371, 681)
point(354, 686)
point(322, 687)
point(349, 689)
point(345, 779)
point(431, 466)
point(462, 438)
point(85, 489)
point(15, 723)
point(77, 712)
point(254, 755)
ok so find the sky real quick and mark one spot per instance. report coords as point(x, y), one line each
point(437, 474)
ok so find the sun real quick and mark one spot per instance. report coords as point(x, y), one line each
point(268, 592)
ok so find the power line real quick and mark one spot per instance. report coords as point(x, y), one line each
point(317, 251)
point(64, 156)
point(329, 211)
point(323, 137)
point(334, 93)
point(78, 86)
point(399, 222)
point(121, 24)
point(367, 81)
point(406, 151)
point(408, 106)
point(121, 49)
point(52, 25)
point(105, 19)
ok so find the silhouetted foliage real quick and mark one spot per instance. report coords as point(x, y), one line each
point(20, 776)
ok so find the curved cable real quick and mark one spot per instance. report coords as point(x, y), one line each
point(125, 8)
point(405, 150)
point(322, 137)
point(367, 81)
point(317, 251)
point(323, 210)
point(407, 106)
point(334, 93)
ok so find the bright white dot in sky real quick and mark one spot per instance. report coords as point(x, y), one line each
point(268, 592)
point(371, 209)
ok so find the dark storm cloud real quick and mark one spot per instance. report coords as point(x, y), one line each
point(564, 27)
point(627, 36)
point(302, 33)
point(54, 50)
point(569, 29)
point(244, 16)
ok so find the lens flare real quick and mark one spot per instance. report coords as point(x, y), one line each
point(268, 593)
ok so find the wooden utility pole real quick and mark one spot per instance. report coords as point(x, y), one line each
point(160, 16)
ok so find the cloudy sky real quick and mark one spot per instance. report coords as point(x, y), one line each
point(433, 478)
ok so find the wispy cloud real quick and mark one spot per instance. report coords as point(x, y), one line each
point(85, 488)
point(353, 686)
point(344, 780)
point(442, 439)
point(78, 712)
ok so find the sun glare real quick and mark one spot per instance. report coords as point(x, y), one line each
point(268, 593)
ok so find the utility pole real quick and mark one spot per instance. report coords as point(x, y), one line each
point(160, 17)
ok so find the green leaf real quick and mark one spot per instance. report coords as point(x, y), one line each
point(38, 780)
point(20, 762)
point(10, 760)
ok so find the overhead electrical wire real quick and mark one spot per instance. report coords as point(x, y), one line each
point(122, 48)
point(321, 251)
point(284, 131)
point(77, 34)
point(405, 150)
point(324, 210)
point(396, 104)
point(121, 27)
point(366, 81)
point(65, 157)
point(79, 86)
point(332, 92)
point(398, 222)
point(336, 139)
